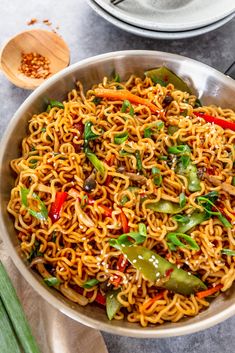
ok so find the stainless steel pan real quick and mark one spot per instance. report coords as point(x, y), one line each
point(210, 85)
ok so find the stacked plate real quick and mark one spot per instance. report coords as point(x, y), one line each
point(166, 19)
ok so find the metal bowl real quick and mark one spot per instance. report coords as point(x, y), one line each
point(210, 85)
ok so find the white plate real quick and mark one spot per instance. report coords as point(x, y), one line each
point(156, 34)
point(169, 15)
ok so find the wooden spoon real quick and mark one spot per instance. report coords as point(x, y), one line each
point(45, 43)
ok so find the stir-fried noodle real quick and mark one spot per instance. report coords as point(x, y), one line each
point(104, 164)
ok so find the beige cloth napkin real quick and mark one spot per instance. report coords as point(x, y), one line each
point(54, 332)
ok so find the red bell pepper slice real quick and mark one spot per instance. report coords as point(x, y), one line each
point(124, 222)
point(225, 124)
point(107, 211)
point(100, 299)
point(56, 206)
point(122, 263)
point(110, 163)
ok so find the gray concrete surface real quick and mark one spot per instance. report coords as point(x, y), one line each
point(88, 35)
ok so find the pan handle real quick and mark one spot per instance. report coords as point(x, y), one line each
point(231, 71)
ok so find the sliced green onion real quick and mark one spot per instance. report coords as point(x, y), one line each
point(182, 199)
point(84, 200)
point(171, 246)
point(35, 251)
point(123, 240)
point(33, 163)
point(157, 179)
point(90, 283)
point(163, 158)
point(228, 252)
point(174, 239)
point(124, 200)
point(197, 103)
point(99, 166)
point(233, 181)
point(138, 161)
point(42, 214)
point(126, 104)
point(125, 153)
point(159, 124)
point(121, 138)
point(54, 103)
point(16, 314)
point(225, 222)
point(52, 281)
point(180, 149)
point(43, 129)
point(208, 205)
point(184, 112)
point(181, 218)
point(185, 160)
point(97, 100)
point(148, 131)
point(117, 78)
point(88, 133)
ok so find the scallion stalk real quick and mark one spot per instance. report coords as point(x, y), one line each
point(7, 335)
point(16, 314)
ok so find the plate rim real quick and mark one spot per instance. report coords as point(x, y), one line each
point(116, 12)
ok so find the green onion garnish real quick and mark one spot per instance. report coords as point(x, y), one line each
point(182, 199)
point(54, 103)
point(126, 104)
point(88, 133)
point(148, 131)
point(124, 200)
point(52, 281)
point(120, 138)
point(185, 160)
point(174, 239)
point(123, 240)
point(228, 252)
point(97, 100)
point(90, 283)
point(138, 161)
point(180, 149)
point(157, 178)
point(42, 214)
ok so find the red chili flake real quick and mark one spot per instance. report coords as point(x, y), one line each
point(169, 272)
point(80, 127)
point(211, 170)
point(32, 21)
